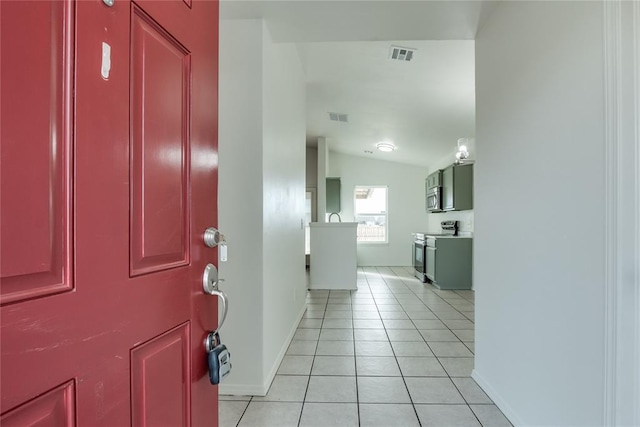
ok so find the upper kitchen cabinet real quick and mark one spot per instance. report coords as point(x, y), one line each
point(434, 180)
point(457, 188)
point(333, 195)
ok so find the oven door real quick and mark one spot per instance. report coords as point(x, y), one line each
point(434, 201)
point(419, 259)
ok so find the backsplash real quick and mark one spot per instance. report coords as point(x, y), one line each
point(464, 218)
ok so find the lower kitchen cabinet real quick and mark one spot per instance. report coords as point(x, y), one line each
point(448, 262)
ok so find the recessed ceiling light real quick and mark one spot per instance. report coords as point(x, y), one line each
point(385, 146)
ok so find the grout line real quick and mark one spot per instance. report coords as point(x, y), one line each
point(390, 289)
point(413, 405)
point(243, 412)
point(313, 361)
point(355, 359)
point(436, 357)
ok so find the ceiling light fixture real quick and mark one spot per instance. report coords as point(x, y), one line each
point(387, 147)
point(462, 153)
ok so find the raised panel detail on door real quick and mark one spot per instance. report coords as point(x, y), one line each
point(160, 380)
point(55, 408)
point(160, 110)
point(35, 144)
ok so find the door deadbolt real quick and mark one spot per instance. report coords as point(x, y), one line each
point(212, 237)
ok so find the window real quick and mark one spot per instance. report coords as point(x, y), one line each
point(370, 209)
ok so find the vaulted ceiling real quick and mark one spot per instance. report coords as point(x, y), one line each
point(422, 106)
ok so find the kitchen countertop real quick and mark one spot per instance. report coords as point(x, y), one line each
point(448, 236)
point(333, 224)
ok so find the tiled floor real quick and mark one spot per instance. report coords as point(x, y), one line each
point(395, 352)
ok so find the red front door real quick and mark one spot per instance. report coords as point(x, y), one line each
point(108, 181)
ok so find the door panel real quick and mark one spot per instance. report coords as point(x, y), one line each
point(160, 372)
point(113, 334)
point(55, 408)
point(160, 102)
point(430, 264)
point(35, 102)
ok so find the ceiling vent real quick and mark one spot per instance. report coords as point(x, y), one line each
point(338, 117)
point(398, 53)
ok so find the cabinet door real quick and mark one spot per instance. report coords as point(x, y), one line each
point(447, 188)
point(430, 264)
point(333, 195)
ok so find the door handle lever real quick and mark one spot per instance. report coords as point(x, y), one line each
point(210, 341)
point(225, 307)
point(210, 286)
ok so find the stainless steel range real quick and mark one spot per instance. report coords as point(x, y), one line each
point(424, 242)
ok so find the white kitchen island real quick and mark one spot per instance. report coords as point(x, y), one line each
point(333, 258)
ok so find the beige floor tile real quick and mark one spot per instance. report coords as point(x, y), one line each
point(329, 415)
point(382, 390)
point(286, 388)
point(418, 349)
point(295, 365)
point(404, 335)
point(335, 348)
point(471, 391)
point(386, 415)
point(370, 335)
point(229, 412)
point(450, 349)
point(271, 414)
point(446, 415)
point(332, 389)
point(457, 366)
point(421, 367)
point(334, 365)
point(377, 366)
point(490, 416)
point(433, 390)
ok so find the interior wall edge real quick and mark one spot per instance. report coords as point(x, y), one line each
point(499, 401)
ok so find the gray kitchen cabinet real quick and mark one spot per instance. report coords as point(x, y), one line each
point(457, 188)
point(448, 264)
point(333, 195)
point(434, 179)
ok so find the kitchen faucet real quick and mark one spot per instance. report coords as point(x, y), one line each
point(335, 213)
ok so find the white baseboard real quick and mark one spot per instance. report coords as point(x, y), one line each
point(283, 351)
point(240, 389)
point(506, 409)
point(261, 390)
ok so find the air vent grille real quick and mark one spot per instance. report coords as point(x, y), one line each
point(338, 117)
point(398, 53)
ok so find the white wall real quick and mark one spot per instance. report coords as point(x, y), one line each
point(240, 195)
point(406, 204)
point(261, 199)
point(284, 126)
point(539, 212)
